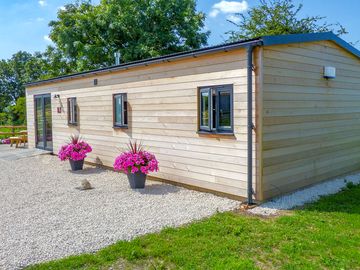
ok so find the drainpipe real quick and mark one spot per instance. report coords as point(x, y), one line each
point(250, 125)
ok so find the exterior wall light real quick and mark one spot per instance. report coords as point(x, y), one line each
point(329, 72)
point(56, 96)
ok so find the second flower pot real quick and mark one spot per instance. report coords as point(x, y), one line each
point(76, 165)
point(136, 180)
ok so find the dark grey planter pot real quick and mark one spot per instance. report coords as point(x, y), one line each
point(76, 165)
point(136, 180)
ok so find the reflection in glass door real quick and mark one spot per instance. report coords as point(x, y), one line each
point(43, 122)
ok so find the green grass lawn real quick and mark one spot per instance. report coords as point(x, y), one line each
point(323, 235)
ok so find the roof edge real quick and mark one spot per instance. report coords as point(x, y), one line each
point(309, 37)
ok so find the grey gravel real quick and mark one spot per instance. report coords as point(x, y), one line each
point(44, 216)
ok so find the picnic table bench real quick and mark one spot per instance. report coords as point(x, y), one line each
point(18, 140)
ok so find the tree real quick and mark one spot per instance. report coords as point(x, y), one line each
point(5, 84)
point(18, 111)
point(14, 73)
point(53, 64)
point(3, 118)
point(89, 35)
point(277, 17)
point(24, 67)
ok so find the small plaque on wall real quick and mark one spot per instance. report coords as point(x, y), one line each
point(58, 109)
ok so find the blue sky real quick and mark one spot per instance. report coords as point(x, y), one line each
point(24, 23)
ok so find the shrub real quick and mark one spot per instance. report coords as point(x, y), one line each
point(5, 141)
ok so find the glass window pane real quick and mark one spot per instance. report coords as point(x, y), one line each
point(125, 113)
point(213, 108)
point(69, 110)
point(39, 123)
point(204, 112)
point(48, 123)
point(72, 111)
point(75, 110)
point(224, 109)
point(118, 110)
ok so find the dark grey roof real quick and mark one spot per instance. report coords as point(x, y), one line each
point(261, 41)
point(311, 37)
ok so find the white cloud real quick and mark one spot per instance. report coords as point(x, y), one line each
point(233, 18)
point(227, 7)
point(42, 3)
point(213, 13)
point(47, 38)
point(39, 19)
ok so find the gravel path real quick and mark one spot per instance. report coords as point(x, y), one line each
point(43, 216)
point(304, 196)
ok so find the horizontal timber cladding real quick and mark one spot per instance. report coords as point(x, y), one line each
point(311, 126)
point(163, 113)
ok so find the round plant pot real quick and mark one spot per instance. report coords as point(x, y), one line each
point(136, 180)
point(76, 165)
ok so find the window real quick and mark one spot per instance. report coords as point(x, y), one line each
point(72, 111)
point(120, 110)
point(216, 109)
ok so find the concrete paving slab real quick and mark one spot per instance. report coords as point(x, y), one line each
point(13, 153)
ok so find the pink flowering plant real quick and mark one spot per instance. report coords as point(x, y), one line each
point(5, 141)
point(136, 159)
point(77, 149)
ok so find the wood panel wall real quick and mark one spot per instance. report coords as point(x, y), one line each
point(163, 112)
point(311, 125)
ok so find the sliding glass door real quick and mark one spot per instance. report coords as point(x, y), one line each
point(43, 122)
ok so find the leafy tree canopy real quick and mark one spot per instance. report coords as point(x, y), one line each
point(18, 111)
point(277, 17)
point(24, 67)
point(13, 74)
point(90, 35)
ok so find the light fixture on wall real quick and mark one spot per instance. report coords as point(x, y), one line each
point(329, 72)
point(56, 96)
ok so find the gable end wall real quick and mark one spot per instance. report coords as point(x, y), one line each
point(311, 126)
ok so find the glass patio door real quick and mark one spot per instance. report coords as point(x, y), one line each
point(43, 122)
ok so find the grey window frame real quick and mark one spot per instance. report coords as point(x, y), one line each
point(216, 90)
point(208, 91)
point(124, 111)
point(72, 111)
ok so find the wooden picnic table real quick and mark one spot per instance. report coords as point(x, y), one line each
point(18, 140)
